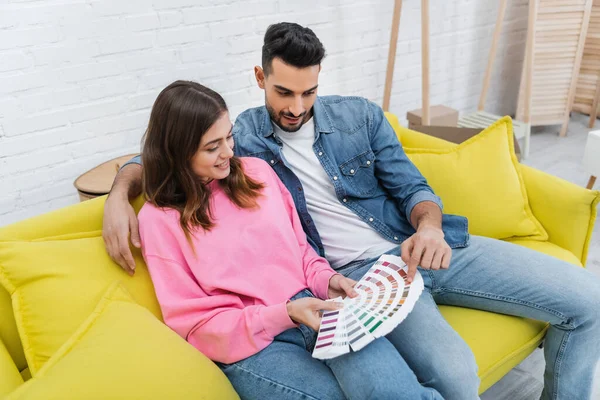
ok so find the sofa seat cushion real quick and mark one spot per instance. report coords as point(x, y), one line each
point(499, 342)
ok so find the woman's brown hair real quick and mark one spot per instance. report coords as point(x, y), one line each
point(182, 113)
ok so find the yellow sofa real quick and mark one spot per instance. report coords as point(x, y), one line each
point(499, 342)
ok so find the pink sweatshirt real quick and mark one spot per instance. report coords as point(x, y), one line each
point(229, 301)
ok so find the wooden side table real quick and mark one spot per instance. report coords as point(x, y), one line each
point(98, 181)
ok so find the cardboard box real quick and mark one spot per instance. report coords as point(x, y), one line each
point(439, 115)
point(455, 134)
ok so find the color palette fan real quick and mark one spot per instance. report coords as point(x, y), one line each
point(384, 300)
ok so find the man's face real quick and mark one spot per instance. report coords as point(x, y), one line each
point(290, 93)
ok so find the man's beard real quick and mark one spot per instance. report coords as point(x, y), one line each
point(276, 118)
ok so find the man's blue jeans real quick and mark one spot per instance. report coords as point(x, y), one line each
point(424, 358)
point(504, 278)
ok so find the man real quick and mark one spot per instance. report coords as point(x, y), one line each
point(359, 196)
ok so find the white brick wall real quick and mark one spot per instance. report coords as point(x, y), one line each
point(78, 77)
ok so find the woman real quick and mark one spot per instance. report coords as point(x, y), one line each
point(231, 266)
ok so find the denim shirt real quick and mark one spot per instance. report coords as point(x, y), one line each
point(364, 160)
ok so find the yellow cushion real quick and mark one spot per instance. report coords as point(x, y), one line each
point(55, 285)
point(121, 351)
point(9, 374)
point(479, 179)
point(499, 342)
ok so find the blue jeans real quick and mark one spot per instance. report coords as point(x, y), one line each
point(504, 278)
point(286, 370)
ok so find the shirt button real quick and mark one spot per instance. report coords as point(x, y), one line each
point(370, 219)
point(368, 162)
point(395, 237)
point(320, 153)
point(345, 200)
point(272, 161)
point(351, 171)
point(335, 178)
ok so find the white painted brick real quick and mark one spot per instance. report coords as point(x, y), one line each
point(247, 9)
point(232, 28)
point(174, 36)
point(90, 71)
point(95, 145)
point(245, 44)
point(47, 120)
point(203, 52)
point(118, 7)
point(14, 60)
point(69, 51)
point(111, 87)
point(157, 79)
point(95, 110)
point(163, 4)
point(149, 59)
point(242, 63)
point(144, 22)
point(33, 160)
point(10, 39)
point(44, 13)
point(9, 107)
point(86, 28)
point(169, 19)
point(15, 82)
point(8, 203)
point(39, 102)
point(125, 44)
point(119, 123)
point(143, 101)
point(47, 139)
point(37, 196)
point(201, 15)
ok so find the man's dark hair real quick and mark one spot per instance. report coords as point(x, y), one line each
point(293, 44)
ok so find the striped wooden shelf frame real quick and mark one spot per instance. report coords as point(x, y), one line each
point(587, 92)
point(560, 29)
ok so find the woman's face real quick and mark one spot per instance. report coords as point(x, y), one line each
point(211, 161)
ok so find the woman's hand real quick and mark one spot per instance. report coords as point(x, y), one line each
point(307, 311)
point(339, 285)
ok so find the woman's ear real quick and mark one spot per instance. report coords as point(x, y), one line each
point(259, 74)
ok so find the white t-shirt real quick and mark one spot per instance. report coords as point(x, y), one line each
point(344, 235)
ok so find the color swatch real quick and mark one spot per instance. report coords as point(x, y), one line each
point(384, 300)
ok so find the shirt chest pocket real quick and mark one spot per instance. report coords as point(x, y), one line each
point(359, 172)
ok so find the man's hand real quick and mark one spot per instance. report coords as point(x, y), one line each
point(341, 286)
point(306, 311)
point(426, 248)
point(119, 223)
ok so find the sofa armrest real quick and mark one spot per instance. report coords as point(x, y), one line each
point(78, 218)
point(72, 220)
point(566, 211)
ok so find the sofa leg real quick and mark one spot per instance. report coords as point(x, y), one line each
point(591, 182)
